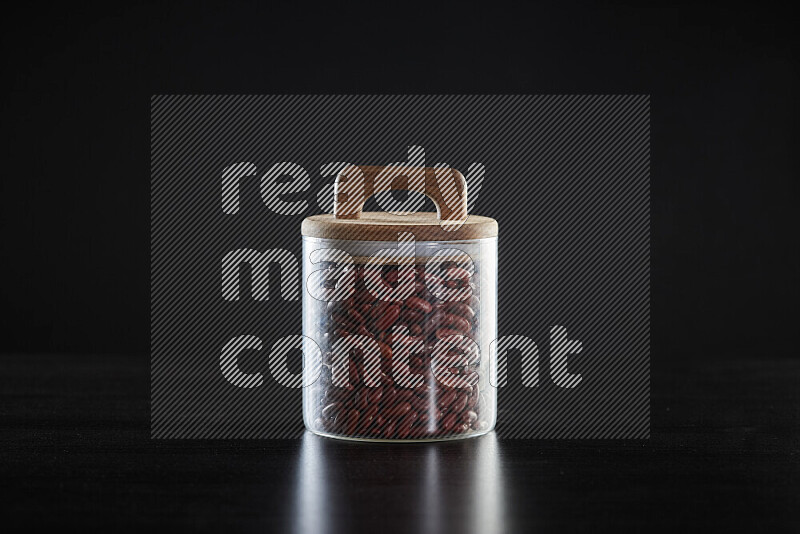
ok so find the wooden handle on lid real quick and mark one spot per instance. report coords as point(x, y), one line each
point(446, 187)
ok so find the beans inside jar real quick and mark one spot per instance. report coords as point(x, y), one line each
point(411, 368)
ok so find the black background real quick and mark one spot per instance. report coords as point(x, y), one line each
point(75, 193)
point(75, 255)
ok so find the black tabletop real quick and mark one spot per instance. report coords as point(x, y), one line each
point(77, 452)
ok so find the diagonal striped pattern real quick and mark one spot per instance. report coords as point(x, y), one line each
point(567, 178)
point(403, 256)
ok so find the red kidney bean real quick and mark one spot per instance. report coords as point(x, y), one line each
point(459, 403)
point(459, 274)
point(362, 400)
point(391, 276)
point(404, 428)
point(374, 396)
point(457, 323)
point(377, 309)
point(388, 410)
point(416, 303)
point(420, 288)
point(386, 350)
point(355, 376)
point(361, 331)
point(419, 404)
point(388, 430)
point(390, 316)
point(369, 416)
point(380, 420)
point(425, 390)
point(425, 415)
point(351, 422)
point(443, 333)
point(449, 421)
point(363, 296)
point(431, 280)
point(447, 399)
point(412, 316)
point(411, 417)
point(389, 396)
point(399, 410)
point(404, 395)
point(355, 316)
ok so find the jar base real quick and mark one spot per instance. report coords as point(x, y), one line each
point(457, 437)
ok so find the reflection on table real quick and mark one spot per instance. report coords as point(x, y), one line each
point(427, 487)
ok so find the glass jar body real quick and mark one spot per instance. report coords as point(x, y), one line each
point(401, 338)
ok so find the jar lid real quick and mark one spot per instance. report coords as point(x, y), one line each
point(381, 226)
point(446, 187)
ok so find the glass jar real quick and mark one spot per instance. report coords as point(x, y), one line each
point(399, 312)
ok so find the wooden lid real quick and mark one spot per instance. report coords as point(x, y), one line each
point(446, 187)
point(380, 226)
